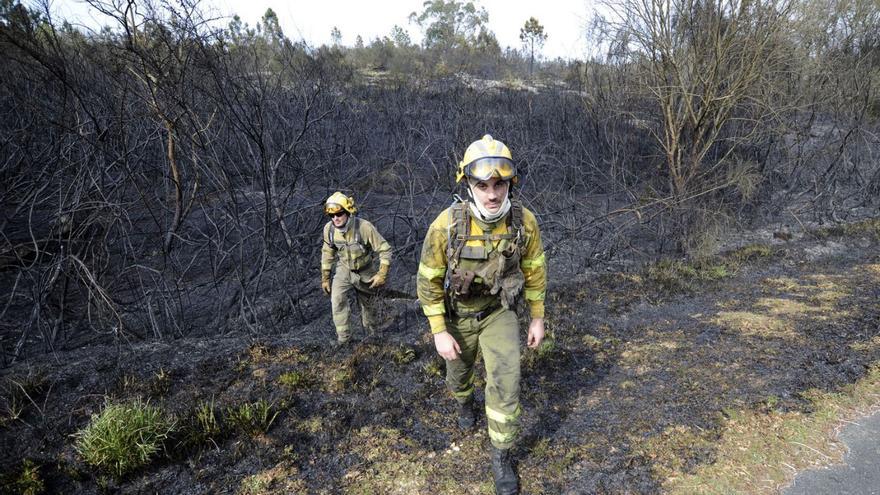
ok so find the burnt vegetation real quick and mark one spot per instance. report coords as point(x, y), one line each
point(161, 189)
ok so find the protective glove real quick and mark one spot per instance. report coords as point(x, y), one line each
point(378, 279)
point(325, 281)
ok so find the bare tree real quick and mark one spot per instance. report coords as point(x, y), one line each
point(704, 66)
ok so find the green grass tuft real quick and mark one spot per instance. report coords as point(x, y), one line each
point(23, 481)
point(296, 380)
point(403, 354)
point(252, 418)
point(124, 437)
point(751, 252)
point(674, 276)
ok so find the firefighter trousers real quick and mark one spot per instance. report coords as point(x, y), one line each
point(497, 338)
point(345, 281)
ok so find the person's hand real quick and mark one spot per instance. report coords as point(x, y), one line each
point(325, 282)
point(446, 346)
point(536, 333)
point(378, 279)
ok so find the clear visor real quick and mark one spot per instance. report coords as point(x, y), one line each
point(490, 166)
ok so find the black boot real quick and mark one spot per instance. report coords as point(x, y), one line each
point(466, 417)
point(505, 476)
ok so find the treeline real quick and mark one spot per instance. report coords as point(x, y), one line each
point(162, 177)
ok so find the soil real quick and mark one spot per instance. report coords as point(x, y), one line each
point(628, 359)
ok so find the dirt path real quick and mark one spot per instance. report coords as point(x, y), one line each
point(651, 384)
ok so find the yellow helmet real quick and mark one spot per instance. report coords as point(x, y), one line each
point(487, 158)
point(338, 202)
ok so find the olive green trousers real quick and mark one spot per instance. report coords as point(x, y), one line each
point(497, 338)
point(345, 281)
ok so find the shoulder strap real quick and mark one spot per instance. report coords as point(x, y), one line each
point(354, 225)
point(328, 235)
point(357, 230)
point(516, 225)
point(456, 239)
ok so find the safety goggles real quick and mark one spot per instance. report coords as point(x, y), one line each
point(491, 166)
point(333, 209)
point(337, 214)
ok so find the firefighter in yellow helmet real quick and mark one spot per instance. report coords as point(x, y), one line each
point(479, 257)
point(351, 244)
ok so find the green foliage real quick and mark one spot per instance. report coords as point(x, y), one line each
point(252, 418)
point(450, 24)
point(124, 437)
point(435, 366)
point(403, 354)
point(675, 276)
point(752, 252)
point(254, 484)
point(295, 380)
point(24, 481)
point(533, 37)
point(201, 426)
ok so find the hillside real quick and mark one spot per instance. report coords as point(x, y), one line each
point(672, 378)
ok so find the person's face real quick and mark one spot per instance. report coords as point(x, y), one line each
point(339, 219)
point(491, 193)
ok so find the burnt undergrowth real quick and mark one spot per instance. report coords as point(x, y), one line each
point(618, 398)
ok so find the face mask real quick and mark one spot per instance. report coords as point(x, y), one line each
point(482, 213)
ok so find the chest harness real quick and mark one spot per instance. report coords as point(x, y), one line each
point(356, 254)
point(490, 269)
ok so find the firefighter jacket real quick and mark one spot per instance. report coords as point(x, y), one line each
point(477, 276)
point(353, 247)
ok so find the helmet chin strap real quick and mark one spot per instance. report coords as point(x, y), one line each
point(482, 213)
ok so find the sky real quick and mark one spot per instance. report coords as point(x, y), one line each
point(564, 21)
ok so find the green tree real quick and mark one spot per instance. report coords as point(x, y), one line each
point(400, 36)
point(336, 36)
point(533, 37)
point(450, 24)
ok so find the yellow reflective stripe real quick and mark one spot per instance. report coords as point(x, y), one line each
point(465, 393)
point(431, 273)
point(535, 294)
point(534, 262)
point(500, 417)
point(434, 309)
point(502, 437)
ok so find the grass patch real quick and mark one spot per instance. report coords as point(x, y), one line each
point(749, 253)
point(282, 478)
point(200, 427)
point(124, 437)
point(20, 395)
point(546, 350)
point(25, 480)
point(296, 380)
point(251, 418)
point(391, 463)
point(870, 227)
point(435, 367)
point(760, 451)
point(676, 276)
point(403, 354)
